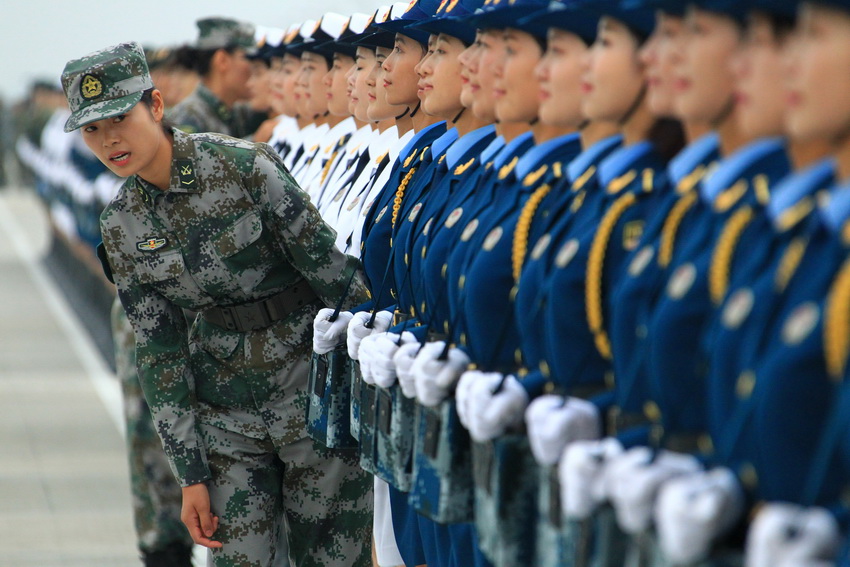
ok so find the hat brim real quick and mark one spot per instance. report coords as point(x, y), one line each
point(101, 110)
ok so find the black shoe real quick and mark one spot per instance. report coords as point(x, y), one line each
point(172, 555)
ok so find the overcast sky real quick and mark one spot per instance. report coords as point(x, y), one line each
point(37, 37)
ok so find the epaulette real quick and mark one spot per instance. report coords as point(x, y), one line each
point(724, 251)
point(533, 177)
point(506, 169)
point(595, 269)
point(461, 169)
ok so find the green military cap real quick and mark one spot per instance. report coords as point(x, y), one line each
point(218, 33)
point(105, 83)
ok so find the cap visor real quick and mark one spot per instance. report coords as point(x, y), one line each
point(101, 110)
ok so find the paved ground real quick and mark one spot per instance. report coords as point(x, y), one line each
point(64, 494)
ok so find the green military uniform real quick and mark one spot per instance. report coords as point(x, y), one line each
point(234, 238)
point(162, 537)
point(202, 111)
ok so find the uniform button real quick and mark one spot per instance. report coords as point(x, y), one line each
point(549, 388)
point(461, 282)
point(544, 369)
point(424, 251)
point(518, 356)
point(748, 475)
point(446, 327)
point(705, 444)
point(463, 339)
point(746, 383)
point(652, 411)
point(641, 332)
point(609, 379)
point(412, 312)
point(443, 272)
point(423, 307)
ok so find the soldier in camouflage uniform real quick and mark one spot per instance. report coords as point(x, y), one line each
point(219, 102)
point(217, 225)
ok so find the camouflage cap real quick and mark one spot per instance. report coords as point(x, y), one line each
point(105, 83)
point(217, 33)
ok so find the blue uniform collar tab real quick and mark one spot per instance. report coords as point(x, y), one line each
point(464, 143)
point(701, 151)
point(538, 154)
point(836, 211)
point(621, 160)
point(441, 144)
point(490, 151)
point(792, 188)
point(592, 155)
point(735, 166)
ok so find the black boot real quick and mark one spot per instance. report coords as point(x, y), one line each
point(173, 555)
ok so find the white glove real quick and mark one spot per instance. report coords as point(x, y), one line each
point(403, 359)
point(634, 478)
point(366, 352)
point(463, 393)
point(434, 378)
point(491, 413)
point(384, 347)
point(581, 474)
point(357, 329)
point(790, 535)
point(554, 422)
point(693, 510)
point(326, 334)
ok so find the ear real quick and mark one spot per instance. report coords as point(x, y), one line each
point(220, 59)
point(157, 105)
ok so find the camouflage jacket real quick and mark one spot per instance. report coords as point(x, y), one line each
point(202, 111)
point(232, 228)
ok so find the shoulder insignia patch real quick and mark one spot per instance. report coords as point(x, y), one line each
point(412, 216)
point(727, 199)
point(461, 169)
point(541, 246)
point(506, 169)
point(620, 183)
point(641, 260)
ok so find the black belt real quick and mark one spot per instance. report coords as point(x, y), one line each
point(262, 313)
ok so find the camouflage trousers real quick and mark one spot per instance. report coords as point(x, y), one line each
point(155, 493)
point(269, 478)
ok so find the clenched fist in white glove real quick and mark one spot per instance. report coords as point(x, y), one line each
point(581, 472)
point(384, 346)
point(435, 377)
point(463, 393)
point(695, 509)
point(786, 535)
point(403, 359)
point(634, 478)
point(357, 329)
point(366, 352)
point(328, 334)
point(554, 422)
point(496, 402)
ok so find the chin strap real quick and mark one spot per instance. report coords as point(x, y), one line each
point(633, 108)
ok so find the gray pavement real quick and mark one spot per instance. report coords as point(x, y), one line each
point(64, 489)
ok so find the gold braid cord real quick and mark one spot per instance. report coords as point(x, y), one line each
point(671, 227)
point(595, 267)
point(836, 327)
point(399, 194)
point(790, 262)
point(523, 227)
point(721, 260)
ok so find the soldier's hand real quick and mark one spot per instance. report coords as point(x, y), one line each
point(581, 472)
point(554, 422)
point(202, 523)
point(327, 334)
point(634, 478)
point(693, 510)
point(434, 374)
point(496, 403)
point(787, 534)
point(403, 359)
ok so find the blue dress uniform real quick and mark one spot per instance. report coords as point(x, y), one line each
point(640, 284)
point(676, 370)
point(784, 397)
point(773, 239)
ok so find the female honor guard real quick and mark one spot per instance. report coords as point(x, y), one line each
point(216, 225)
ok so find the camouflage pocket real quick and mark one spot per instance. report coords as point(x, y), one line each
point(244, 252)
